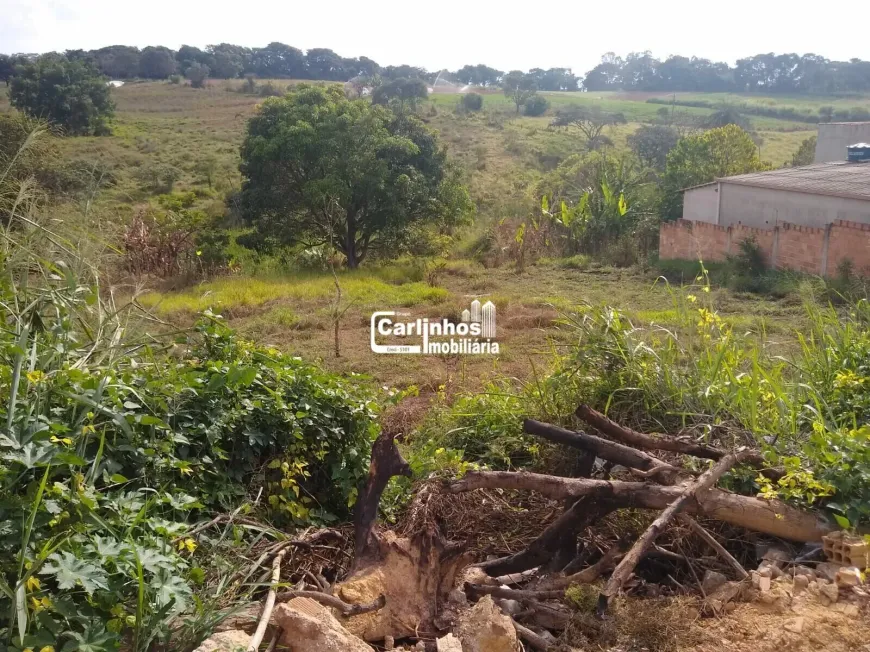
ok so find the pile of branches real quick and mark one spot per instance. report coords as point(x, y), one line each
point(550, 563)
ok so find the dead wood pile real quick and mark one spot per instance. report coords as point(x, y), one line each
point(414, 584)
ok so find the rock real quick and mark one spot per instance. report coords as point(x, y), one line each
point(483, 628)
point(228, 641)
point(848, 577)
point(712, 581)
point(307, 626)
point(510, 607)
point(851, 610)
point(763, 584)
point(795, 626)
point(457, 598)
point(777, 556)
point(769, 567)
point(827, 570)
point(801, 582)
point(389, 642)
point(448, 643)
point(718, 600)
point(775, 601)
point(829, 592)
point(245, 619)
point(765, 571)
point(754, 578)
point(803, 571)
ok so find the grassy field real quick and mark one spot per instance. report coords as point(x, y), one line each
point(199, 132)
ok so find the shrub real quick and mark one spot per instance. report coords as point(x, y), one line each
point(158, 177)
point(175, 79)
point(110, 450)
point(472, 101)
point(70, 94)
point(536, 105)
point(197, 73)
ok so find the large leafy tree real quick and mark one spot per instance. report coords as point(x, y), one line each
point(652, 143)
point(70, 94)
point(401, 93)
point(322, 169)
point(590, 121)
point(157, 62)
point(701, 158)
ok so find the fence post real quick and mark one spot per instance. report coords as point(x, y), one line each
point(774, 250)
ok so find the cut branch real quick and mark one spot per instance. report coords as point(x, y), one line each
point(580, 515)
point(640, 440)
point(718, 547)
point(771, 517)
point(260, 632)
point(534, 640)
point(587, 575)
point(334, 602)
point(603, 448)
point(513, 594)
point(629, 562)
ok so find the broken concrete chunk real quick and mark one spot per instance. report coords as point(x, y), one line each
point(829, 592)
point(233, 640)
point(827, 570)
point(712, 581)
point(849, 577)
point(795, 626)
point(448, 643)
point(484, 628)
point(763, 584)
point(307, 626)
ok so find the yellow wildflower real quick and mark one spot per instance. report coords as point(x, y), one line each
point(692, 298)
point(35, 376)
point(188, 543)
point(32, 583)
point(47, 648)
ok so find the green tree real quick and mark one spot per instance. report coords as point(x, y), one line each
point(70, 94)
point(472, 101)
point(197, 73)
point(805, 154)
point(157, 62)
point(704, 157)
point(7, 67)
point(652, 143)
point(536, 105)
point(401, 92)
point(322, 169)
point(519, 87)
point(590, 121)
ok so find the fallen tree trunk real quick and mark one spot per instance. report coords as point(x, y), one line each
point(771, 517)
point(640, 440)
point(696, 489)
point(603, 448)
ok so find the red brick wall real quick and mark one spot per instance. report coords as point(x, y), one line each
point(788, 246)
point(687, 240)
point(764, 237)
point(849, 240)
point(800, 248)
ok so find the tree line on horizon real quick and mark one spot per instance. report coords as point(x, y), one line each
point(637, 71)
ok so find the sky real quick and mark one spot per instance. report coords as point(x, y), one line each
point(450, 33)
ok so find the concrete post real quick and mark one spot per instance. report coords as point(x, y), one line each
point(774, 250)
point(825, 241)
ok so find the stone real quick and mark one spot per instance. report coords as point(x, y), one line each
point(484, 628)
point(308, 626)
point(448, 643)
point(795, 626)
point(245, 619)
point(805, 571)
point(770, 568)
point(800, 583)
point(510, 607)
point(754, 578)
point(389, 642)
point(830, 592)
point(775, 601)
point(229, 641)
point(718, 600)
point(827, 570)
point(848, 577)
point(764, 584)
point(765, 571)
point(851, 610)
point(712, 581)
